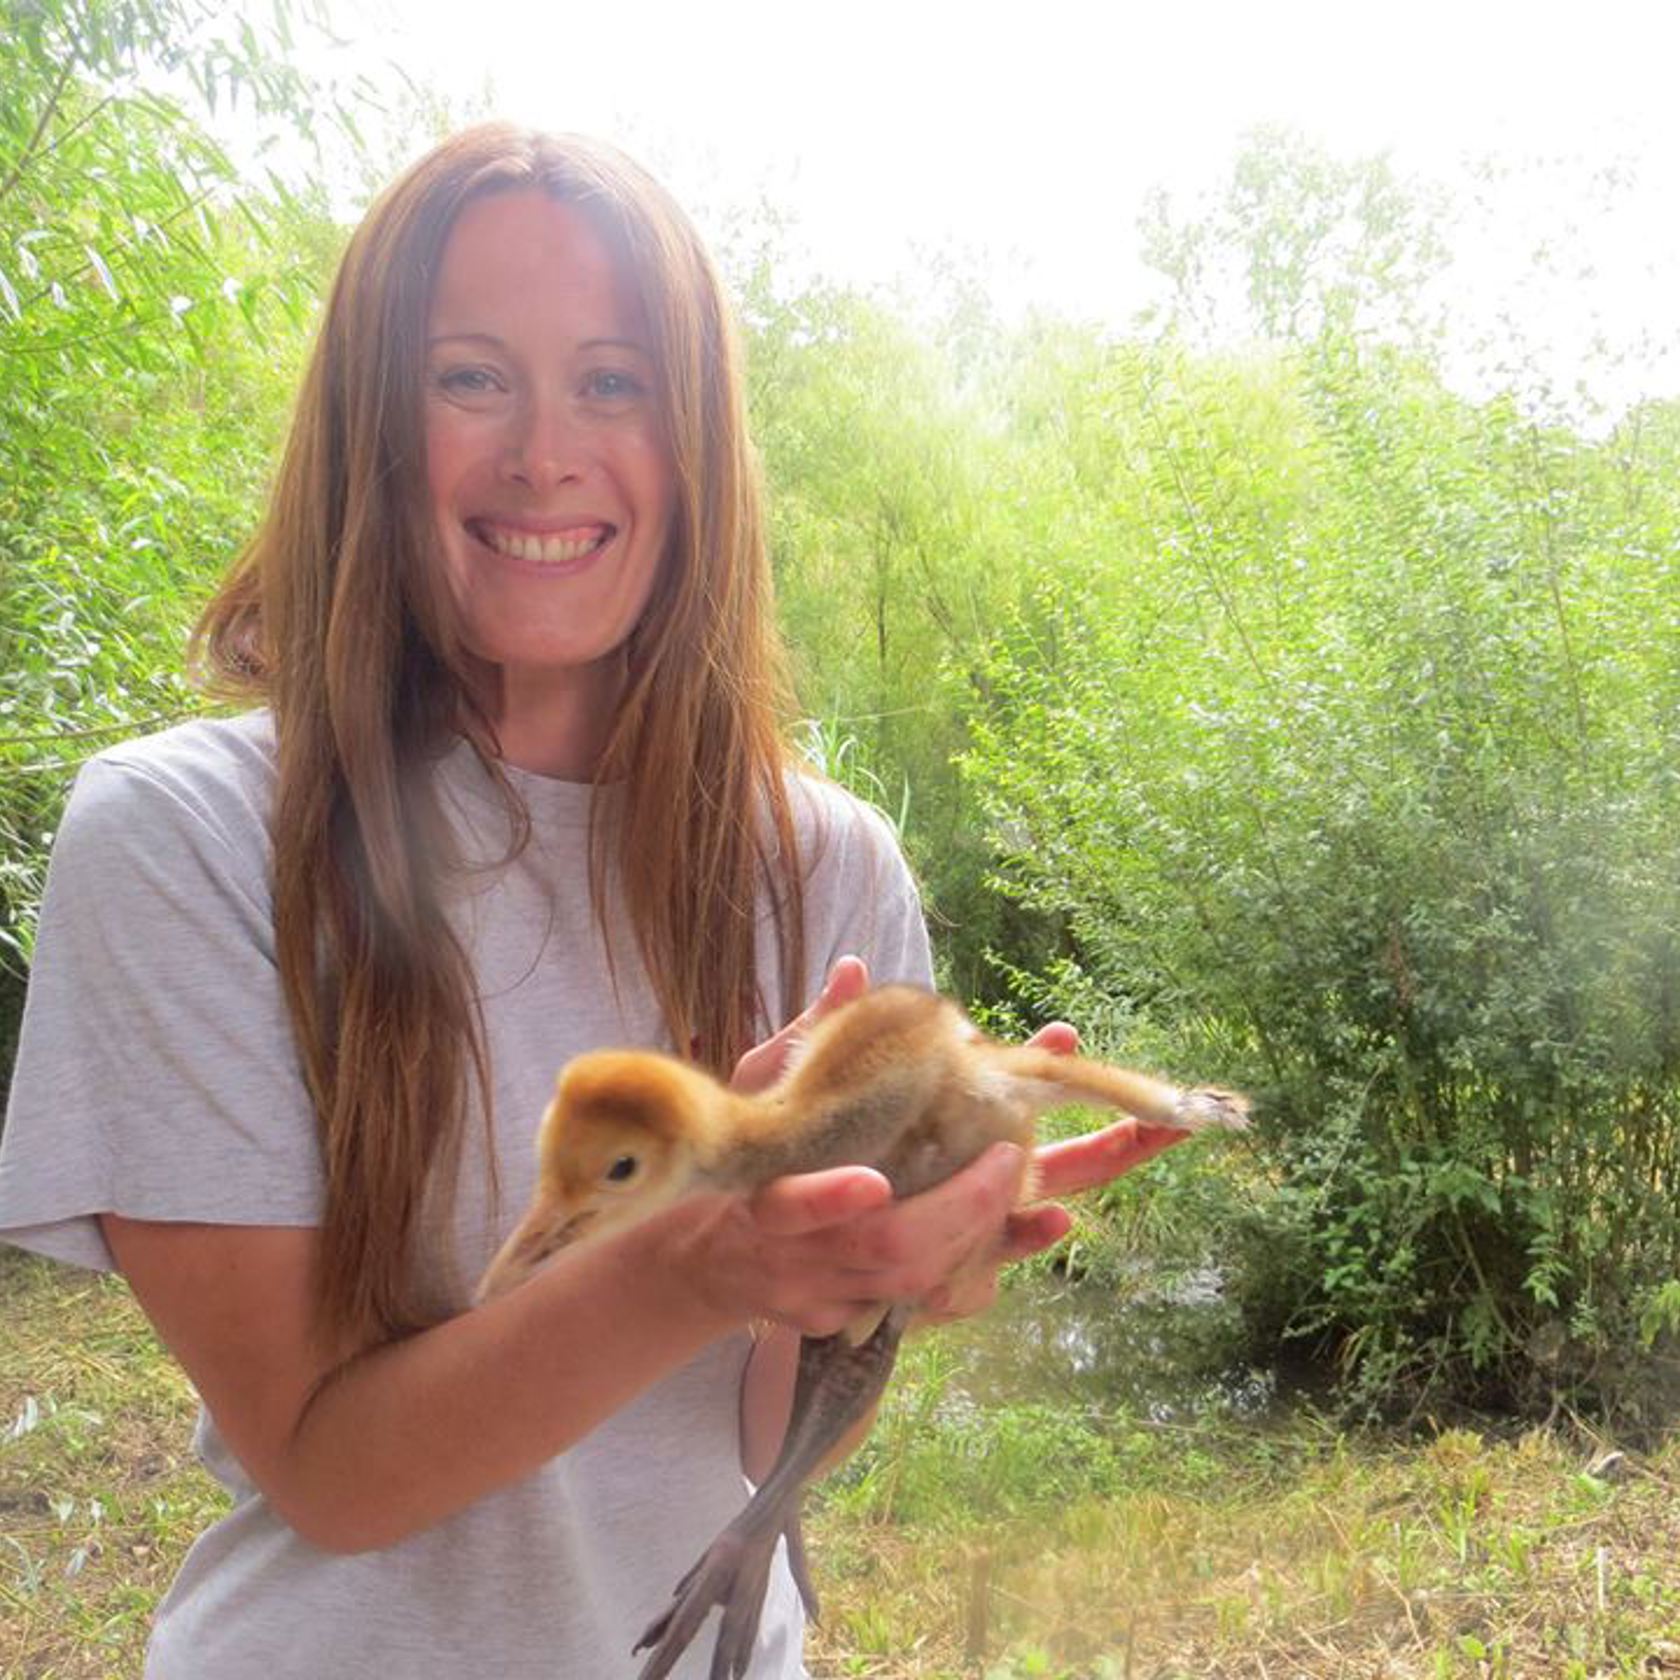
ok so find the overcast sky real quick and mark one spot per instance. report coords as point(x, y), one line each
point(1025, 137)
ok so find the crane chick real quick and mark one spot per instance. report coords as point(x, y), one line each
point(898, 1080)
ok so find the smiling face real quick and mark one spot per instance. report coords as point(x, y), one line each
point(547, 465)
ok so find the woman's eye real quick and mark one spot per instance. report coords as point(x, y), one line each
point(614, 385)
point(469, 381)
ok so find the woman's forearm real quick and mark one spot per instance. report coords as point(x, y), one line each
point(361, 1452)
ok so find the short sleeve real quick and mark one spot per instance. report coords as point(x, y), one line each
point(156, 1074)
point(860, 897)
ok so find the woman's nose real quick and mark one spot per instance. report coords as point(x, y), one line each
point(547, 444)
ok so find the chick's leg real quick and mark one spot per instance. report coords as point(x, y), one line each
point(836, 1385)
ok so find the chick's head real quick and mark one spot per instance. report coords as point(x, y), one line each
point(617, 1142)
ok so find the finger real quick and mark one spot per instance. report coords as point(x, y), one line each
point(973, 1199)
point(909, 1247)
point(1099, 1157)
point(1057, 1037)
point(802, 1202)
point(829, 1318)
point(847, 981)
point(1032, 1230)
point(763, 1064)
point(972, 1293)
point(974, 1286)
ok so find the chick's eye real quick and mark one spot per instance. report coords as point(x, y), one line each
point(621, 1169)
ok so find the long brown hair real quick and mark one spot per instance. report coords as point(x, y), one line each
point(338, 617)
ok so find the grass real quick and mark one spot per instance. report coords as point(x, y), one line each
point(1127, 1547)
point(1023, 1541)
point(100, 1494)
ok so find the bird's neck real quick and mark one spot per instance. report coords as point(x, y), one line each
point(750, 1142)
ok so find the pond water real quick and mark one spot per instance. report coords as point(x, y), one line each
point(1156, 1344)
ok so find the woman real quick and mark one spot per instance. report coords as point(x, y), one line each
point(304, 976)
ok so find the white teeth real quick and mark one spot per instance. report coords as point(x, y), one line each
point(527, 545)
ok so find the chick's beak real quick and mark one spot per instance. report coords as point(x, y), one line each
point(543, 1232)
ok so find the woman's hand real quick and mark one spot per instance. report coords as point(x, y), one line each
point(765, 1063)
point(1059, 1169)
point(818, 1248)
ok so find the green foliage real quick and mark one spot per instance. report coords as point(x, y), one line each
point(1320, 728)
point(1298, 244)
point(152, 309)
point(936, 1456)
point(833, 751)
point(897, 541)
point(1368, 803)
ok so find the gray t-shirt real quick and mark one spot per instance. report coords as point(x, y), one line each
point(157, 1078)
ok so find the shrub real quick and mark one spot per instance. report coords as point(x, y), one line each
point(1366, 800)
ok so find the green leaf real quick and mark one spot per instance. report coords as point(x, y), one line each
point(102, 271)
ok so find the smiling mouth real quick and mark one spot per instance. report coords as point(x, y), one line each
point(551, 548)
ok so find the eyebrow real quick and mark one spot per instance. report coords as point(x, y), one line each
point(633, 344)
